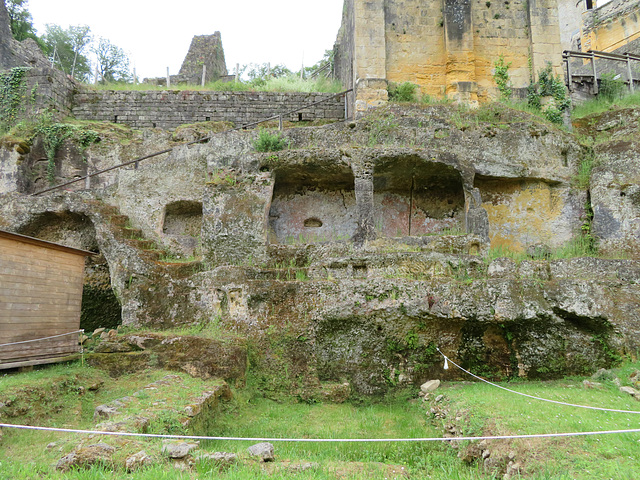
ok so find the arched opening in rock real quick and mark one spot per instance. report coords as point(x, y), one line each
point(417, 197)
point(183, 224)
point(313, 203)
point(100, 307)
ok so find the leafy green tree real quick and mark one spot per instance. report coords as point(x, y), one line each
point(21, 21)
point(69, 46)
point(259, 73)
point(325, 64)
point(113, 62)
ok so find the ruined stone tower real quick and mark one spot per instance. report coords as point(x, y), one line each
point(446, 47)
point(205, 50)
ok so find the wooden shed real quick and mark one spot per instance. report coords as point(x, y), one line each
point(40, 297)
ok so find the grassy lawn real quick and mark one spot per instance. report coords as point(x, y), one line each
point(472, 408)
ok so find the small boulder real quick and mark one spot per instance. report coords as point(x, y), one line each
point(83, 457)
point(631, 391)
point(430, 386)
point(603, 374)
point(174, 449)
point(104, 411)
point(137, 461)
point(264, 451)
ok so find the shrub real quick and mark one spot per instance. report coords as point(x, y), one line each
point(501, 77)
point(404, 92)
point(268, 141)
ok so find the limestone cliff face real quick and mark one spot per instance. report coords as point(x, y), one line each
point(356, 252)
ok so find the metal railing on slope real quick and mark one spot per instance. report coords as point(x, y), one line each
point(279, 117)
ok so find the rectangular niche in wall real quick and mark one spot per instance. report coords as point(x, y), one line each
point(417, 197)
point(313, 203)
point(183, 223)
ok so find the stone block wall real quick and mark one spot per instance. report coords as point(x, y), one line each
point(169, 109)
point(447, 47)
point(611, 26)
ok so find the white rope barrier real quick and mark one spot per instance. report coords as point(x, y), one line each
point(318, 440)
point(447, 360)
point(40, 339)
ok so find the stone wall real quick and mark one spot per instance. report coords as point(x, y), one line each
point(445, 47)
point(611, 26)
point(169, 109)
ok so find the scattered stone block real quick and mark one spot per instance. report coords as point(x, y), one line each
point(430, 386)
point(84, 457)
point(264, 451)
point(137, 461)
point(174, 449)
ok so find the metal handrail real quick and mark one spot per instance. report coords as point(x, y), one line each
point(87, 177)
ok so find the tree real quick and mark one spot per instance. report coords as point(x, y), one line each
point(113, 62)
point(69, 46)
point(21, 21)
point(259, 73)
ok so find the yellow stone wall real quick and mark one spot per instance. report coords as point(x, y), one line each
point(525, 212)
point(447, 47)
point(611, 26)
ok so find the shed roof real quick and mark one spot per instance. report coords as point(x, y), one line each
point(43, 243)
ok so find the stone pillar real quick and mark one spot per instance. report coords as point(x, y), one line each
point(476, 218)
point(370, 71)
point(544, 33)
point(460, 77)
point(235, 222)
point(363, 172)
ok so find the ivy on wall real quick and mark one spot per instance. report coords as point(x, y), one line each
point(13, 92)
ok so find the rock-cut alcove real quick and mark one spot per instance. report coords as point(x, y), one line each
point(183, 223)
point(417, 197)
point(313, 203)
point(100, 307)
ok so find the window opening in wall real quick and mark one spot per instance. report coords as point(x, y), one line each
point(589, 4)
point(115, 119)
point(313, 223)
point(207, 119)
point(299, 117)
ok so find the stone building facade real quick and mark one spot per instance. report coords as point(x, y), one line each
point(446, 47)
point(611, 27)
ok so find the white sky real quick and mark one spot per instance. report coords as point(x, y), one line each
point(157, 34)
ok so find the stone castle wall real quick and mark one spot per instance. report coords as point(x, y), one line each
point(611, 26)
point(169, 109)
point(447, 47)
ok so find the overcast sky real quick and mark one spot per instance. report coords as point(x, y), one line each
point(157, 34)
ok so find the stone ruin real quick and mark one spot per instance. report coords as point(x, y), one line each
point(205, 54)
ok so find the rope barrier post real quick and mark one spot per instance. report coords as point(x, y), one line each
point(168, 79)
point(280, 122)
point(204, 74)
point(87, 180)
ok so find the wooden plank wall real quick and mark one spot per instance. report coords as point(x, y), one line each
point(40, 296)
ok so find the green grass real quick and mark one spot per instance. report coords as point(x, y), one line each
point(280, 84)
point(609, 456)
point(600, 105)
